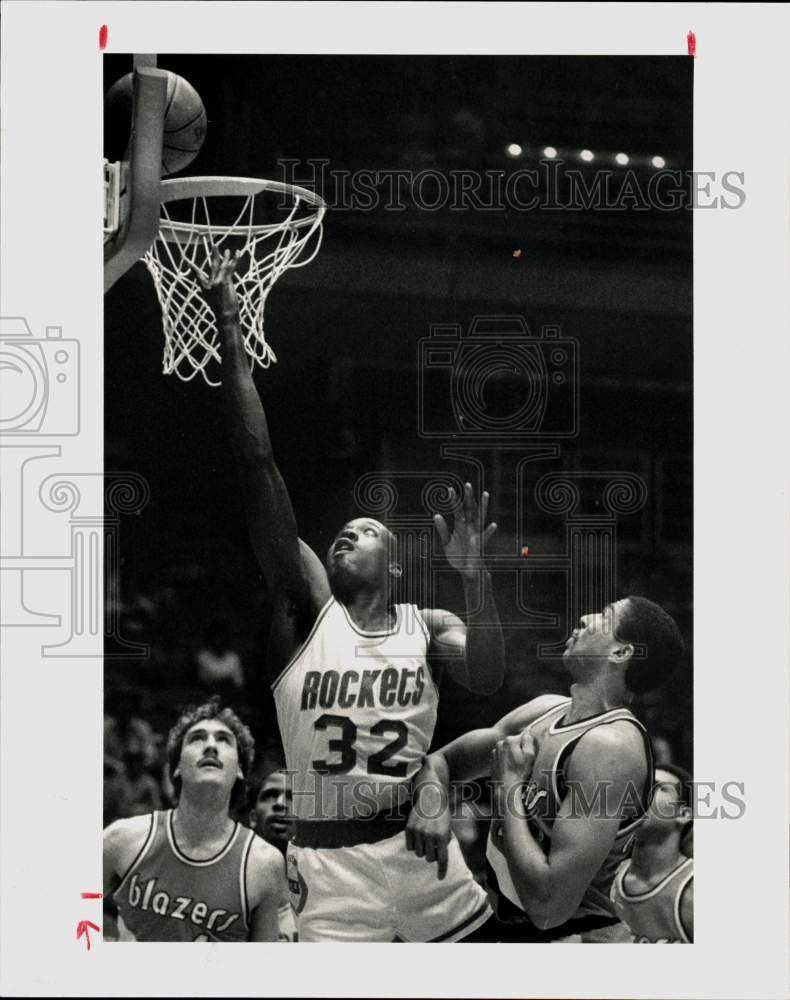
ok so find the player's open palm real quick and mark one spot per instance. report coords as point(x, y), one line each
point(217, 285)
point(464, 543)
point(428, 829)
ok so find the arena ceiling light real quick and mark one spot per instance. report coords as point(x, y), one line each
point(513, 150)
point(549, 152)
point(587, 155)
point(621, 158)
point(658, 162)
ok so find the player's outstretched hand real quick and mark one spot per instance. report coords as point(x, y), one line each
point(428, 829)
point(464, 543)
point(217, 285)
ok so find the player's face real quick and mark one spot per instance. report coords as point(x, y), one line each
point(666, 811)
point(209, 756)
point(593, 640)
point(360, 553)
point(272, 817)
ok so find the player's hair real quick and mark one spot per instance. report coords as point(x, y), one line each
point(648, 625)
point(684, 780)
point(245, 743)
point(255, 789)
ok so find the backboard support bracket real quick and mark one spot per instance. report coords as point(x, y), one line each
point(140, 220)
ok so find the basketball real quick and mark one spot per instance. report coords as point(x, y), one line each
point(185, 121)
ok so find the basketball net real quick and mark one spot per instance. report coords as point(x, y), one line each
point(203, 215)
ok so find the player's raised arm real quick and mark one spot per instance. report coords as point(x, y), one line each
point(289, 573)
point(475, 651)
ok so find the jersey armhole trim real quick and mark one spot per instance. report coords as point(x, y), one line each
point(149, 837)
point(676, 908)
point(320, 617)
point(549, 711)
point(423, 625)
point(245, 899)
point(427, 634)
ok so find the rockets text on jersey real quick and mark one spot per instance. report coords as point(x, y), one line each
point(356, 711)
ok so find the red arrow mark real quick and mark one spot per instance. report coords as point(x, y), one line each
point(82, 928)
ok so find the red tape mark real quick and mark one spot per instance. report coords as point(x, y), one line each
point(691, 38)
point(90, 895)
point(82, 928)
point(102, 36)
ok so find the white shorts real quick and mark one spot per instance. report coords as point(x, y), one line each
point(382, 892)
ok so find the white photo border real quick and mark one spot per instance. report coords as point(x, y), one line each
point(51, 709)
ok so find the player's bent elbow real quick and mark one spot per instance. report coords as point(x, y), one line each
point(545, 909)
point(545, 915)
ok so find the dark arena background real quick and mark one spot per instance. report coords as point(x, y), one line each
point(346, 397)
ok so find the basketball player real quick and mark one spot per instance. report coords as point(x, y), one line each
point(356, 699)
point(653, 892)
point(272, 819)
point(192, 873)
point(573, 781)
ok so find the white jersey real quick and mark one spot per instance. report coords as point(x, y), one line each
point(356, 712)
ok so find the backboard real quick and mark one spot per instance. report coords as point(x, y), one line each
point(132, 184)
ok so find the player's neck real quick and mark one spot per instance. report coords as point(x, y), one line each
point(370, 610)
point(198, 821)
point(652, 861)
point(594, 697)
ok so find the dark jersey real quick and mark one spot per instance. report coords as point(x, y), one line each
point(543, 796)
point(653, 917)
point(167, 896)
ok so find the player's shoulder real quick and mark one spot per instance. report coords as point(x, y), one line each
point(438, 620)
point(124, 838)
point(623, 735)
point(131, 828)
point(616, 749)
point(524, 715)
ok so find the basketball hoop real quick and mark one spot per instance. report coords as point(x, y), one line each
point(268, 223)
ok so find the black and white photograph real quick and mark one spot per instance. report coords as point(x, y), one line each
point(403, 388)
point(394, 498)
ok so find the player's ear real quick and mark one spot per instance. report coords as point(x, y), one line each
point(622, 653)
